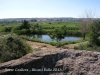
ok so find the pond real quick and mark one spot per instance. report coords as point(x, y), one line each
point(48, 39)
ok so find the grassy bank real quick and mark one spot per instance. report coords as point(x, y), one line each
point(87, 47)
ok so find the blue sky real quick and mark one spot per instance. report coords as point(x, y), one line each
point(47, 8)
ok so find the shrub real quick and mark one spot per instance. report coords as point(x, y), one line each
point(17, 28)
point(25, 25)
point(94, 33)
point(53, 43)
point(80, 47)
point(7, 29)
point(12, 47)
point(49, 23)
point(23, 31)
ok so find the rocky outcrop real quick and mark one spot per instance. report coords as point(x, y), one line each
point(54, 62)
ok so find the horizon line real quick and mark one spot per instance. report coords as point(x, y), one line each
point(37, 17)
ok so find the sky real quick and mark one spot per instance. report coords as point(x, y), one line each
point(47, 8)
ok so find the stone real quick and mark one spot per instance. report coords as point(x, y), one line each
point(54, 62)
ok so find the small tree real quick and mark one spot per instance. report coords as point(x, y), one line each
point(95, 33)
point(25, 25)
point(85, 20)
point(38, 28)
point(58, 34)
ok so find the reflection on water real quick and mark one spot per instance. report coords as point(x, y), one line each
point(48, 39)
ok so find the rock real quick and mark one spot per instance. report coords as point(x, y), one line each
point(54, 62)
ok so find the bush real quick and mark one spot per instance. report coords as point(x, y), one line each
point(53, 43)
point(81, 47)
point(94, 33)
point(23, 31)
point(17, 28)
point(7, 29)
point(12, 47)
point(25, 25)
point(49, 23)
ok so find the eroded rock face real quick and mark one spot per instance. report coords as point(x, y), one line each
point(54, 62)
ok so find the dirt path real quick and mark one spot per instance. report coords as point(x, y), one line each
point(43, 46)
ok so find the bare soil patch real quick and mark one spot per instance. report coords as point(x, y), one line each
point(42, 46)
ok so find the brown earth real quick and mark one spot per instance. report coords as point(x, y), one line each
point(41, 46)
point(44, 46)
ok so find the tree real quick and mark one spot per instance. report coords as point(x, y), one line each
point(7, 29)
point(36, 28)
point(95, 33)
point(25, 25)
point(85, 20)
point(58, 34)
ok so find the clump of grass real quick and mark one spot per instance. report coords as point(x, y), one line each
point(12, 47)
point(88, 46)
point(81, 47)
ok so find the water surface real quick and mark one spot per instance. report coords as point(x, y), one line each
point(48, 39)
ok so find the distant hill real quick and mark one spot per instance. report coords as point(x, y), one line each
point(39, 19)
point(60, 19)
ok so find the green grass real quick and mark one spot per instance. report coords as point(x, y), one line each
point(14, 25)
point(48, 25)
point(56, 24)
point(73, 28)
point(45, 24)
point(87, 47)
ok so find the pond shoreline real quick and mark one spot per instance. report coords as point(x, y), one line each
point(43, 46)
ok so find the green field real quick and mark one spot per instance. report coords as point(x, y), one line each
point(46, 25)
point(14, 25)
point(59, 24)
point(49, 26)
point(72, 28)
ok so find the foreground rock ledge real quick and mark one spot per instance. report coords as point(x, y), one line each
point(54, 62)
